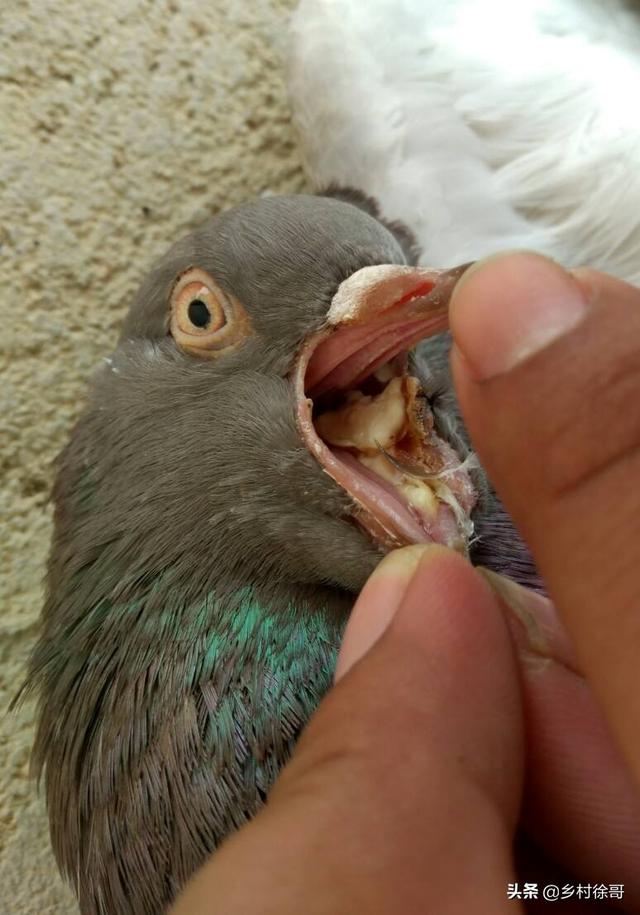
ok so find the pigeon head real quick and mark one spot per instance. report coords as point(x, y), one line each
point(197, 455)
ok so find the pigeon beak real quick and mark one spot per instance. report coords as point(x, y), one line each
point(376, 316)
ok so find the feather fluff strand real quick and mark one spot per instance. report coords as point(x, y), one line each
point(482, 124)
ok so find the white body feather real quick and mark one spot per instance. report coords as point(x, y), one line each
point(482, 124)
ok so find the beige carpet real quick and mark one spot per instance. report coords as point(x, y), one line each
point(122, 124)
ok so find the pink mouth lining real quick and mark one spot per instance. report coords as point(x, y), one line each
point(339, 359)
point(349, 356)
point(442, 529)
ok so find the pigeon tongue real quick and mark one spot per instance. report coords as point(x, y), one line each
point(378, 314)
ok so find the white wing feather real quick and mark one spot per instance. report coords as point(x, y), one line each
point(482, 124)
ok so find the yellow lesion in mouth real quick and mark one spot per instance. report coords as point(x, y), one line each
point(366, 422)
point(417, 493)
point(389, 434)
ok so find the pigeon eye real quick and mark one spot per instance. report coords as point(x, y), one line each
point(205, 321)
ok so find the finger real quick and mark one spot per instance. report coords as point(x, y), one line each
point(403, 792)
point(580, 800)
point(547, 369)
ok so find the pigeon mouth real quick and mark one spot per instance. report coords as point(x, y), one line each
point(367, 421)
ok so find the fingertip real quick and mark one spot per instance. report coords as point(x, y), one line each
point(443, 637)
point(447, 598)
point(453, 626)
point(508, 307)
point(377, 604)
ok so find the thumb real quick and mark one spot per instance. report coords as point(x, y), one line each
point(403, 791)
point(547, 369)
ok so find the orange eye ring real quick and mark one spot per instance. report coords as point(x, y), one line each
point(205, 321)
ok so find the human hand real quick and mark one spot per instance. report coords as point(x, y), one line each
point(451, 721)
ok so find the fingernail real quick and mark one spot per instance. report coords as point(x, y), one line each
point(510, 306)
point(533, 621)
point(401, 564)
point(377, 604)
point(528, 631)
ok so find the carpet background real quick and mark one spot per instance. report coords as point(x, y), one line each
point(124, 123)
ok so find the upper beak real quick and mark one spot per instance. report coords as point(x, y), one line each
point(377, 312)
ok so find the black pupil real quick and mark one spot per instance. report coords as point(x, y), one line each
point(199, 314)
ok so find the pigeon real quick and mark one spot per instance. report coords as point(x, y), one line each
point(264, 431)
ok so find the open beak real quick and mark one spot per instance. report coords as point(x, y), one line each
point(367, 422)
